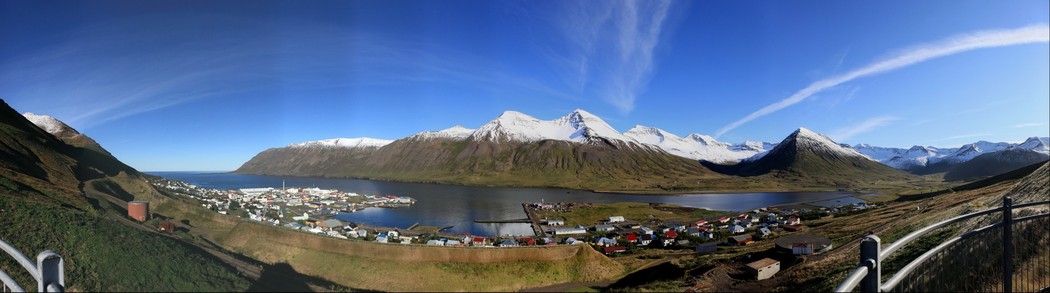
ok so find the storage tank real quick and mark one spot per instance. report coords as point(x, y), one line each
point(138, 210)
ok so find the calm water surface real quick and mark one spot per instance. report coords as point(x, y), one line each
point(458, 206)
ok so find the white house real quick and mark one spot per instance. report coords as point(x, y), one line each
point(616, 219)
point(737, 229)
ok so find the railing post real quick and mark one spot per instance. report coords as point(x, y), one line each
point(869, 255)
point(1008, 266)
point(51, 269)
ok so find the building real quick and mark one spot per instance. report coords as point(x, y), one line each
point(331, 224)
point(604, 228)
point(764, 268)
point(616, 219)
point(707, 247)
point(138, 210)
point(803, 244)
point(509, 242)
point(737, 229)
point(614, 249)
point(166, 226)
point(570, 231)
point(555, 222)
point(740, 240)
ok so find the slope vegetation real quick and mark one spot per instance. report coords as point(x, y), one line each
point(40, 182)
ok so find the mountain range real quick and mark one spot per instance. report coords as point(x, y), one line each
point(580, 150)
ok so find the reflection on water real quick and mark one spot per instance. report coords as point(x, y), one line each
point(458, 206)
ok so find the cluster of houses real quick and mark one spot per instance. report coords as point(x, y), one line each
point(270, 204)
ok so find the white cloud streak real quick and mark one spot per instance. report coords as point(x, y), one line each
point(612, 46)
point(1027, 125)
point(862, 127)
point(1039, 33)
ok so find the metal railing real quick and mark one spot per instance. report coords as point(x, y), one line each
point(49, 270)
point(956, 258)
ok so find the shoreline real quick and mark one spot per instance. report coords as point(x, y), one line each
point(655, 192)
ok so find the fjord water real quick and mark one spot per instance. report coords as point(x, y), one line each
point(458, 206)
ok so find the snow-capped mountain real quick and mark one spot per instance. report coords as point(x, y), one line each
point(64, 132)
point(48, 123)
point(455, 132)
point(922, 156)
point(811, 140)
point(1037, 144)
point(360, 142)
point(696, 146)
point(809, 154)
point(578, 126)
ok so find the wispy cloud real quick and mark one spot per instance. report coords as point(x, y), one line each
point(1023, 125)
point(111, 71)
point(848, 132)
point(1039, 33)
point(612, 46)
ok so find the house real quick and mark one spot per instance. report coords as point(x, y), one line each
point(393, 234)
point(671, 234)
point(381, 238)
point(723, 220)
point(509, 242)
point(548, 241)
point(330, 224)
point(605, 242)
point(682, 242)
point(453, 243)
point(614, 249)
point(699, 223)
point(616, 219)
point(764, 268)
point(793, 220)
point(737, 229)
point(632, 238)
point(570, 231)
point(572, 241)
point(645, 239)
point(555, 222)
point(435, 242)
point(764, 232)
point(704, 234)
point(405, 239)
point(666, 241)
point(647, 230)
point(166, 226)
point(362, 233)
point(478, 241)
point(528, 241)
point(604, 228)
point(740, 240)
point(707, 247)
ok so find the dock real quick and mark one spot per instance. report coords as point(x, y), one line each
point(535, 220)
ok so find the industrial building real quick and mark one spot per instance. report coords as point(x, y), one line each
point(138, 210)
point(764, 268)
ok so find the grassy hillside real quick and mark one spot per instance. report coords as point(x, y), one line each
point(549, 163)
point(104, 254)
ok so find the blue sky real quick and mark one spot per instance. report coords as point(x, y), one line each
point(205, 85)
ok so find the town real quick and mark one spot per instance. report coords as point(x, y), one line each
point(310, 210)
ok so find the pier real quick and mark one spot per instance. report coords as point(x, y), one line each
point(535, 220)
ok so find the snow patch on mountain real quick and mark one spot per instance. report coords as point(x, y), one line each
point(811, 140)
point(695, 146)
point(360, 142)
point(48, 123)
point(455, 132)
point(578, 126)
